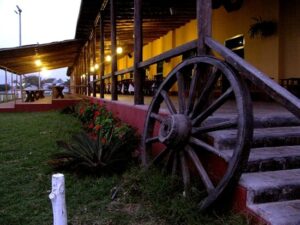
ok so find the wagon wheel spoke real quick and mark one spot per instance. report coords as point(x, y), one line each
point(200, 169)
point(193, 87)
point(185, 173)
point(214, 127)
point(152, 140)
point(181, 94)
point(168, 161)
point(213, 107)
point(160, 156)
point(168, 102)
point(204, 146)
point(156, 116)
point(207, 91)
point(174, 165)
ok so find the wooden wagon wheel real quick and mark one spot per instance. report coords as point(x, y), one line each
point(181, 131)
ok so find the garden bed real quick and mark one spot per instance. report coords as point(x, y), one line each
point(27, 140)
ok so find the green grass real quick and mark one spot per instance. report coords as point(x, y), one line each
point(26, 142)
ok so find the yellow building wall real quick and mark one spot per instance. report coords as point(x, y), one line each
point(263, 53)
point(289, 28)
point(277, 55)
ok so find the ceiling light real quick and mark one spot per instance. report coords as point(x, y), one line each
point(38, 62)
point(108, 58)
point(119, 50)
point(96, 66)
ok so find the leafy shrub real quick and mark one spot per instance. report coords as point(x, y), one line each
point(107, 148)
point(69, 110)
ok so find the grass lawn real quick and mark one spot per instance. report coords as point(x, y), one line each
point(26, 142)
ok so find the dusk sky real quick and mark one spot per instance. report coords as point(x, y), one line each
point(43, 21)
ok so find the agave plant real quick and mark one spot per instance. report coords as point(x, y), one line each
point(101, 156)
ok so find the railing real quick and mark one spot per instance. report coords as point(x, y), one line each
point(79, 89)
point(164, 56)
point(9, 96)
point(257, 77)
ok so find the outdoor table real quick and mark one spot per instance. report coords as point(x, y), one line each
point(57, 91)
point(38, 94)
point(41, 93)
point(29, 96)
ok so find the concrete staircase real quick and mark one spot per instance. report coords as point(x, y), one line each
point(272, 177)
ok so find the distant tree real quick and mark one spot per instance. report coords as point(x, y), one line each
point(59, 81)
point(31, 80)
point(2, 87)
point(48, 80)
point(16, 83)
point(67, 82)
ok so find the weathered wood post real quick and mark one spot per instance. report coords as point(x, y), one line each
point(204, 20)
point(88, 68)
point(94, 60)
point(102, 63)
point(57, 197)
point(113, 24)
point(139, 76)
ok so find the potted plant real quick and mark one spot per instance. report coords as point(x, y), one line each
point(262, 28)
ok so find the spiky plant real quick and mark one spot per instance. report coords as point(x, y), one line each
point(101, 156)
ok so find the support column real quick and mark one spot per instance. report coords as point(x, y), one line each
point(114, 91)
point(85, 71)
point(204, 20)
point(6, 87)
point(102, 63)
point(21, 87)
point(89, 68)
point(94, 61)
point(139, 75)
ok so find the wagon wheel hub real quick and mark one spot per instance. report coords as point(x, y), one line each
point(175, 130)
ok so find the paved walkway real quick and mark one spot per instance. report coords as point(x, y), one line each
point(259, 107)
point(43, 101)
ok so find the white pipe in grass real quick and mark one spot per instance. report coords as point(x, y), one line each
point(57, 197)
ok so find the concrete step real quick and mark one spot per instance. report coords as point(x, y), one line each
point(262, 137)
point(271, 158)
point(261, 120)
point(271, 186)
point(278, 213)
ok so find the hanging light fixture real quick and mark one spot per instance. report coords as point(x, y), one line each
point(119, 50)
point(108, 58)
point(96, 66)
point(38, 62)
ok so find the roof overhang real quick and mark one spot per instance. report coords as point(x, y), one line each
point(54, 55)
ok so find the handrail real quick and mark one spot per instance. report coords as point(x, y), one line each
point(169, 54)
point(164, 56)
point(257, 77)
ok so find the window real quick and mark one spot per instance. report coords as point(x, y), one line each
point(160, 67)
point(236, 44)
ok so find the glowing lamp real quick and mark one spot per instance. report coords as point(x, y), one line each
point(38, 62)
point(119, 50)
point(108, 58)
